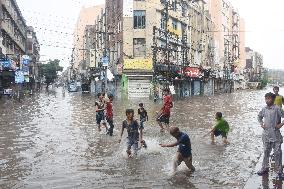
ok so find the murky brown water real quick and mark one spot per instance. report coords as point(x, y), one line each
point(51, 141)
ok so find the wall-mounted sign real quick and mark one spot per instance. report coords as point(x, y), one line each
point(138, 64)
point(191, 72)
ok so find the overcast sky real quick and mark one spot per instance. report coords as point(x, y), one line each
point(54, 22)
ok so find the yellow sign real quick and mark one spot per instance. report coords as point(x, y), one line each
point(138, 64)
point(175, 31)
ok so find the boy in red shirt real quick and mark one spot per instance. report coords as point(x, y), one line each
point(165, 113)
point(109, 114)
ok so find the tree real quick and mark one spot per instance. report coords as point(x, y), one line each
point(50, 71)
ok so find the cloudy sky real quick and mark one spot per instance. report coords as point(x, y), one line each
point(54, 22)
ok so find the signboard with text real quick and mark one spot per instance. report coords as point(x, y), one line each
point(19, 76)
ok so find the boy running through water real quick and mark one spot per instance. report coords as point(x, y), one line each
point(269, 118)
point(165, 112)
point(279, 99)
point(132, 127)
point(109, 114)
point(221, 128)
point(184, 148)
point(143, 117)
point(100, 108)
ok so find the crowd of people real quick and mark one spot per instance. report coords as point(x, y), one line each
point(269, 118)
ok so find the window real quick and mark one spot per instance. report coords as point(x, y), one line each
point(174, 24)
point(139, 19)
point(139, 47)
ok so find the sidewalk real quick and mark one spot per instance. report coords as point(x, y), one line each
point(264, 182)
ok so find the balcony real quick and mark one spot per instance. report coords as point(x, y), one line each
point(14, 18)
point(10, 32)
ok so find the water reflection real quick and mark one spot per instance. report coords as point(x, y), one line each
point(51, 140)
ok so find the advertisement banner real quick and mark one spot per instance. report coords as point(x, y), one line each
point(26, 70)
point(25, 60)
point(93, 63)
point(192, 72)
point(138, 64)
point(19, 76)
point(127, 8)
point(6, 63)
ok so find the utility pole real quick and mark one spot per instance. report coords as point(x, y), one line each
point(105, 49)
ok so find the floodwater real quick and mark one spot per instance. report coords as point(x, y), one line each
point(50, 140)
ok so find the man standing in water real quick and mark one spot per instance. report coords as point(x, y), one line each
point(279, 99)
point(163, 116)
point(269, 118)
point(184, 148)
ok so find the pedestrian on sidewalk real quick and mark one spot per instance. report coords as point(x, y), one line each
point(132, 127)
point(221, 128)
point(100, 108)
point(143, 118)
point(184, 148)
point(109, 114)
point(279, 99)
point(163, 116)
point(269, 118)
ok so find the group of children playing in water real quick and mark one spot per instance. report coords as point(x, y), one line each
point(134, 128)
point(269, 118)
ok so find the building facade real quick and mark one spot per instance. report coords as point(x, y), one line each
point(87, 16)
point(155, 44)
point(254, 65)
point(229, 42)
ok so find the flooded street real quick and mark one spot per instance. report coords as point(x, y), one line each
point(50, 140)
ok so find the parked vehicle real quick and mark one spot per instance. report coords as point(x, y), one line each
point(85, 88)
point(72, 87)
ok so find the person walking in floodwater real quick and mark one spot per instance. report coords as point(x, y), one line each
point(184, 148)
point(143, 118)
point(279, 99)
point(100, 108)
point(163, 116)
point(132, 127)
point(221, 128)
point(269, 118)
point(109, 114)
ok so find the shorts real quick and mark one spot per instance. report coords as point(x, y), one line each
point(218, 133)
point(132, 142)
point(142, 123)
point(100, 117)
point(164, 119)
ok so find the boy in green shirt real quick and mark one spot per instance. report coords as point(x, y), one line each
point(221, 128)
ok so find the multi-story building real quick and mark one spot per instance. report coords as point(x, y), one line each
point(13, 35)
point(229, 42)
point(254, 65)
point(86, 17)
point(33, 51)
point(158, 42)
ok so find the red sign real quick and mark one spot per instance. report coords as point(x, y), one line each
point(191, 72)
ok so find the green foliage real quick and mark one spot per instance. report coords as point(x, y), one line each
point(264, 83)
point(50, 70)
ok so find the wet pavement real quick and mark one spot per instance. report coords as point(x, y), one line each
point(50, 140)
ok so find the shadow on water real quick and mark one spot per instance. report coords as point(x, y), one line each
point(51, 140)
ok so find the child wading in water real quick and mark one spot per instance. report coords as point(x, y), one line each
point(132, 127)
point(184, 148)
point(221, 128)
point(109, 114)
point(143, 118)
point(270, 120)
point(100, 108)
